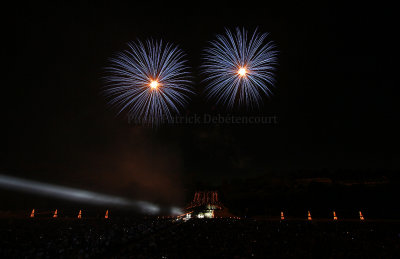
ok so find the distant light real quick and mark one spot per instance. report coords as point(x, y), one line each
point(175, 211)
point(242, 72)
point(154, 84)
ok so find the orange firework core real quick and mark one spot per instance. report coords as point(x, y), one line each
point(242, 71)
point(154, 84)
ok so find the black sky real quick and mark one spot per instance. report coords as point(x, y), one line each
point(335, 97)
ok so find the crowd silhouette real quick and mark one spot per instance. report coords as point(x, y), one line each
point(196, 238)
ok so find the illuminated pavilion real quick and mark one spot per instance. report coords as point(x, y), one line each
point(206, 204)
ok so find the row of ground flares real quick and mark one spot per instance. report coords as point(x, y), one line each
point(55, 215)
point(309, 217)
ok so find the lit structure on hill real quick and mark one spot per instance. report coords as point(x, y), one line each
point(206, 204)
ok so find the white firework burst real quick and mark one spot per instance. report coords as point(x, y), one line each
point(150, 81)
point(239, 69)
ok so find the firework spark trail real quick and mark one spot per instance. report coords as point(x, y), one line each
point(149, 81)
point(239, 69)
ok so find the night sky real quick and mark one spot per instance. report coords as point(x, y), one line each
point(335, 97)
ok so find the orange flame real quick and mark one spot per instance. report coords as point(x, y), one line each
point(361, 216)
point(309, 216)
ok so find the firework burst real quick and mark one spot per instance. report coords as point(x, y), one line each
point(149, 81)
point(239, 69)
